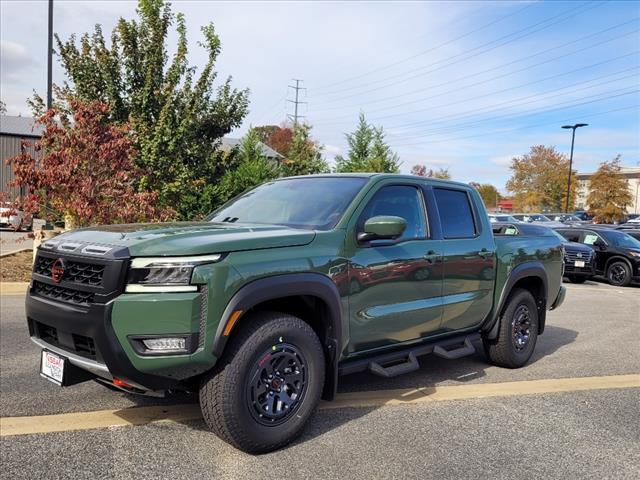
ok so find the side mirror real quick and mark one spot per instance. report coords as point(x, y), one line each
point(382, 228)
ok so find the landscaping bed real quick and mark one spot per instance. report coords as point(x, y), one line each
point(16, 267)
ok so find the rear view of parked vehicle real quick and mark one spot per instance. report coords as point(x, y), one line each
point(10, 217)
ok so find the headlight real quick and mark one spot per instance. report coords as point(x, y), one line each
point(165, 274)
point(635, 254)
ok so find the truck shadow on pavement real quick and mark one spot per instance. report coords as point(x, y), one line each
point(433, 371)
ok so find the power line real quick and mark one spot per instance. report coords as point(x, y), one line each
point(510, 103)
point(465, 100)
point(463, 126)
point(296, 102)
point(424, 52)
point(456, 138)
point(465, 77)
point(574, 11)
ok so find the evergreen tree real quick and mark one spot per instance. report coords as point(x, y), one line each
point(368, 151)
point(305, 155)
point(252, 168)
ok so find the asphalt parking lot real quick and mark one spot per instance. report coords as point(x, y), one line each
point(450, 419)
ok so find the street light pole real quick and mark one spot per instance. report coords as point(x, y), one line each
point(49, 58)
point(573, 138)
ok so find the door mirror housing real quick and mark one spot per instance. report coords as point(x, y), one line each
point(382, 227)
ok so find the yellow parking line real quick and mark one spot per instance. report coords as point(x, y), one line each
point(179, 413)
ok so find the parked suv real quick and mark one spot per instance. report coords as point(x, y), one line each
point(579, 260)
point(617, 254)
point(261, 307)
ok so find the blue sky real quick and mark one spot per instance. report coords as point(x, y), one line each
point(461, 85)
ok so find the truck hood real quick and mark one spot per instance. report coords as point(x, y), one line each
point(188, 238)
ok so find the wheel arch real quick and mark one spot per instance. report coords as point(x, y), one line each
point(616, 258)
point(530, 276)
point(313, 297)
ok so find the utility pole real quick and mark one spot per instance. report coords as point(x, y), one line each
point(49, 58)
point(573, 138)
point(296, 102)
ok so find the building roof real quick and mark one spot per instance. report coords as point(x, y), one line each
point(26, 127)
point(19, 126)
point(629, 172)
point(229, 143)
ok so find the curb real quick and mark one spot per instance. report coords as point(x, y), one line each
point(13, 288)
point(13, 252)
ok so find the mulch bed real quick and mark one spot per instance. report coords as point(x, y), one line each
point(17, 267)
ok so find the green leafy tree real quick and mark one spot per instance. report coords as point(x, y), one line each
point(609, 194)
point(305, 155)
point(539, 180)
point(177, 116)
point(368, 151)
point(489, 193)
point(252, 168)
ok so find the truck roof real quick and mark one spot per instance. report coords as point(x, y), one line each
point(381, 175)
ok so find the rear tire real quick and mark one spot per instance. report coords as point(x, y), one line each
point(619, 274)
point(251, 410)
point(517, 334)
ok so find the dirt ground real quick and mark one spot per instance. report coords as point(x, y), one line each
point(16, 268)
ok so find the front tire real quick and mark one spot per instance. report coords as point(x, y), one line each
point(267, 385)
point(518, 332)
point(619, 274)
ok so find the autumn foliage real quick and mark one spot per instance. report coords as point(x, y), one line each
point(609, 193)
point(539, 180)
point(84, 167)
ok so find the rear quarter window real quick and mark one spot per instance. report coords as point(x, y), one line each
point(456, 213)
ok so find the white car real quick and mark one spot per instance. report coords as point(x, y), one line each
point(13, 218)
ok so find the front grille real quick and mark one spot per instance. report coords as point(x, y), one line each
point(75, 272)
point(571, 256)
point(62, 294)
point(74, 343)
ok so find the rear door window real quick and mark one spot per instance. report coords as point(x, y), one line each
point(571, 235)
point(456, 214)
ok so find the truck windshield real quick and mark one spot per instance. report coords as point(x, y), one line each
point(315, 203)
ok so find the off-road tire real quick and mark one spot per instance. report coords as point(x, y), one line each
point(613, 279)
point(503, 351)
point(223, 392)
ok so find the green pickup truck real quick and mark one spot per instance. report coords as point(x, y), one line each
point(263, 306)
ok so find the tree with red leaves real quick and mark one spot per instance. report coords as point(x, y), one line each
point(84, 170)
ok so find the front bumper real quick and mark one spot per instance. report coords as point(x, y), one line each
point(559, 298)
point(96, 339)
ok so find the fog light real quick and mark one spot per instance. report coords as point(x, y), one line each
point(170, 343)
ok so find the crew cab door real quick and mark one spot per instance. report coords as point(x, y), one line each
point(395, 285)
point(469, 258)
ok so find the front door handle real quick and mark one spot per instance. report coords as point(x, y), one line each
point(484, 253)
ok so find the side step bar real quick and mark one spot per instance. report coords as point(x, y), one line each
point(403, 361)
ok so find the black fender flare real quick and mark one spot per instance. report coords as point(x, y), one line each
point(532, 269)
point(288, 285)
